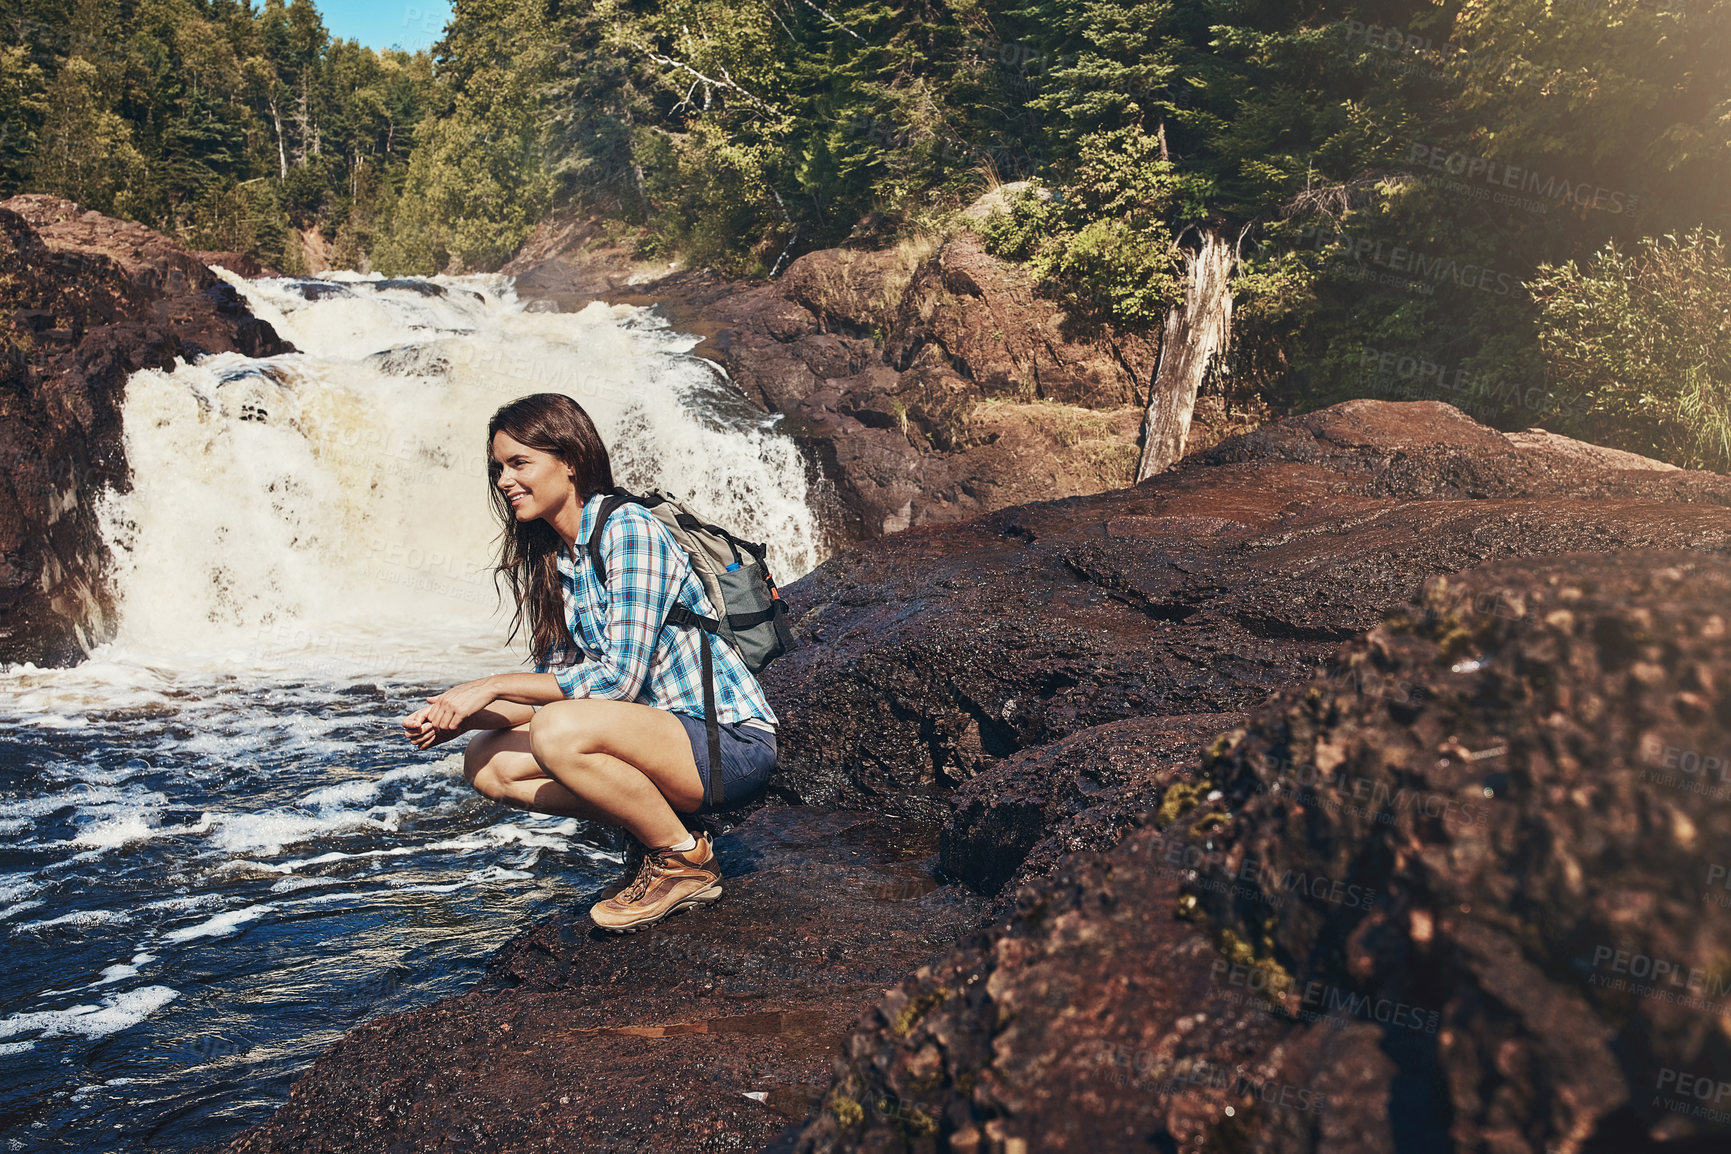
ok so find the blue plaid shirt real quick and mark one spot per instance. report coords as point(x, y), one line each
point(633, 655)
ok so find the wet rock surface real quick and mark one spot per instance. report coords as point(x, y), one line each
point(1100, 923)
point(938, 652)
point(1093, 1021)
point(1015, 820)
point(88, 300)
point(1552, 804)
point(651, 1041)
point(1405, 921)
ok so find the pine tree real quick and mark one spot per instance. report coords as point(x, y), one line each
point(87, 152)
point(23, 110)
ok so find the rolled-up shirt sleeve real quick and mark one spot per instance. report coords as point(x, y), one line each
point(643, 579)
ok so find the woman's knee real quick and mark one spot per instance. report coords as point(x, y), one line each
point(558, 729)
point(490, 784)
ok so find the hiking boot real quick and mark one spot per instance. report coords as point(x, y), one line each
point(634, 857)
point(667, 883)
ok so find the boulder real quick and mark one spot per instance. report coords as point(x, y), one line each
point(1092, 1020)
point(1546, 822)
point(927, 383)
point(1014, 821)
point(966, 309)
point(939, 652)
point(1485, 911)
point(239, 263)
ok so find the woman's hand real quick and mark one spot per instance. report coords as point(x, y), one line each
point(450, 709)
point(423, 734)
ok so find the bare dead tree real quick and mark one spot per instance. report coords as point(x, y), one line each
point(708, 83)
point(281, 153)
point(833, 20)
point(1331, 201)
point(1197, 335)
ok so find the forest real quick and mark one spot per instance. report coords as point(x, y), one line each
point(233, 128)
point(1516, 206)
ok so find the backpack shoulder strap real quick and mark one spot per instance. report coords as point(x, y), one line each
point(610, 503)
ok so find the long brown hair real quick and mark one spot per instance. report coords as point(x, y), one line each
point(529, 552)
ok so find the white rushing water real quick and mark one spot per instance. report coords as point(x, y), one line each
point(216, 849)
point(336, 500)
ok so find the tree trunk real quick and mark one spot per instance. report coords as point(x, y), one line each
point(304, 119)
point(1197, 332)
point(281, 153)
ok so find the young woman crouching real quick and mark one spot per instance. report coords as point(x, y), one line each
point(619, 736)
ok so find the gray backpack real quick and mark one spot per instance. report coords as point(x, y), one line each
point(750, 614)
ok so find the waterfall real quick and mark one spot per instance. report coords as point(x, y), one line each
point(334, 501)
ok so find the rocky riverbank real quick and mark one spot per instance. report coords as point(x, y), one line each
point(87, 300)
point(1397, 910)
point(1097, 739)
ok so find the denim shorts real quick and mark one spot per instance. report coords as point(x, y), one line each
point(747, 760)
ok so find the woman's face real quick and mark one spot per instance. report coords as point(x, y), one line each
point(534, 481)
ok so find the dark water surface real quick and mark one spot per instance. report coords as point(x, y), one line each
point(195, 901)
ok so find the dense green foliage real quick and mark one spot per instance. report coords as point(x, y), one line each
point(1104, 249)
point(1394, 173)
point(477, 182)
point(1407, 182)
point(226, 125)
point(1639, 348)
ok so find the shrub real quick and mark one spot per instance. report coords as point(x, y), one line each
point(1638, 347)
point(1102, 249)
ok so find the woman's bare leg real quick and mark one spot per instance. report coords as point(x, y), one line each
point(631, 762)
point(499, 765)
point(617, 762)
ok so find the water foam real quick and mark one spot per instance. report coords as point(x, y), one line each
point(113, 1015)
point(363, 791)
point(80, 918)
point(120, 971)
point(266, 834)
point(133, 827)
point(13, 911)
point(222, 925)
point(14, 887)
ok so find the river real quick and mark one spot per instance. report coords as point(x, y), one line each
point(217, 852)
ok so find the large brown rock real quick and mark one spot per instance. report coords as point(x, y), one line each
point(87, 301)
point(1483, 912)
point(1093, 1020)
point(1549, 823)
point(567, 262)
point(967, 309)
point(1015, 820)
point(939, 652)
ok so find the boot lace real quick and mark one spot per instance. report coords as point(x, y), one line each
point(654, 865)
